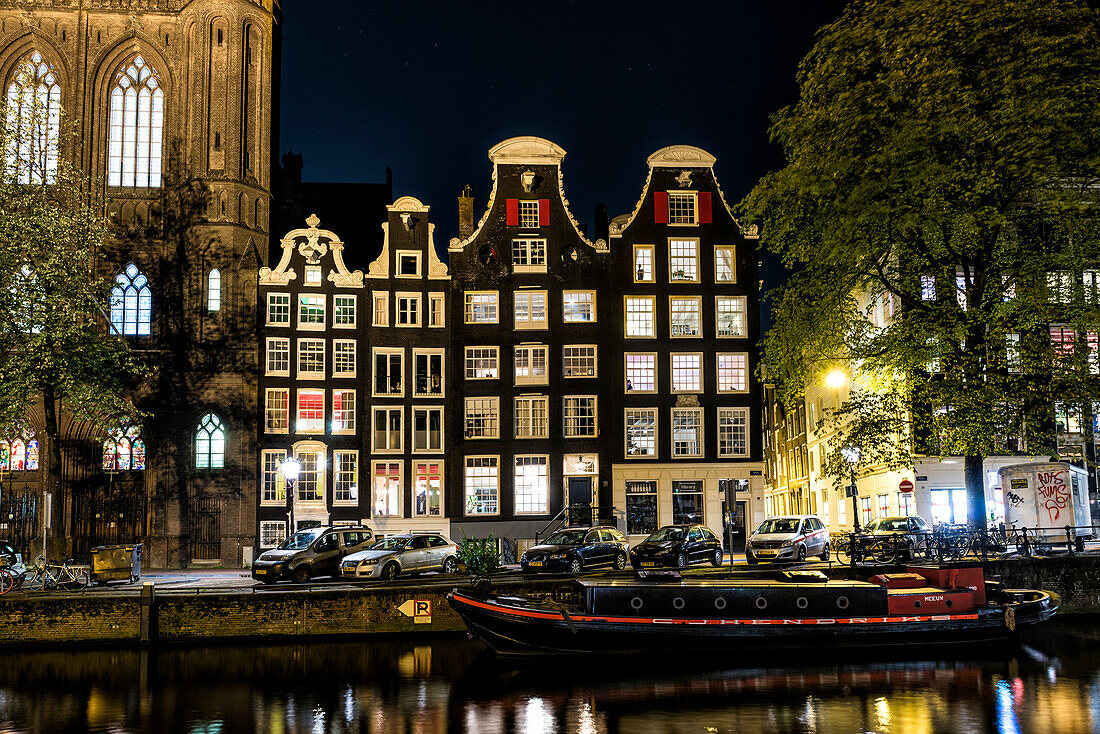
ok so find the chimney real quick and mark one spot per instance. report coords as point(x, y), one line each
point(466, 213)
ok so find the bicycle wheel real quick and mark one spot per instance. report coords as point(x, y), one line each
point(37, 580)
point(882, 551)
point(844, 552)
point(74, 579)
point(7, 581)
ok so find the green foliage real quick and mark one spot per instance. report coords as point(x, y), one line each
point(479, 555)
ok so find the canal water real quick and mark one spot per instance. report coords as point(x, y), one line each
point(1048, 683)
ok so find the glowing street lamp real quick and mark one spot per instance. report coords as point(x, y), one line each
point(289, 468)
point(836, 379)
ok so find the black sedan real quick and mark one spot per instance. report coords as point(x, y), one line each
point(575, 549)
point(677, 546)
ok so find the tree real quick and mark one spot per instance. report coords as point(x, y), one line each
point(59, 348)
point(936, 209)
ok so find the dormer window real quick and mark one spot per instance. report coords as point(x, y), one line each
point(681, 207)
point(408, 264)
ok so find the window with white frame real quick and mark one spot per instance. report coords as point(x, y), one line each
point(639, 318)
point(906, 506)
point(733, 435)
point(687, 432)
point(343, 411)
point(641, 431)
point(1092, 352)
point(732, 371)
point(482, 363)
point(578, 306)
point(427, 488)
point(345, 477)
point(532, 485)
point(310, 486)
point(643, 263)
point(729, 316)
point(1060, 286)
point(684, 315)
point(428, 372)
point(408, 309)
point(278, 356)
point(531, 364)
point(278, 309)
point(529, 213)
point(387, 434)
point(34, 122)
point(386, 493)
point(276, 410)
point(1067, 417)
point(131, 302)
point(482, 419)
point(579, 360)
point(311, 411)
point(1063, 340)
point(427, 429)
point(135, 126)
point(408, 264)
point(311, 311)
point(683, 261)
point(273, 491)
point(343, 312)
point(481, 307)
point(389, 370)
point(311, 359)
point(641, 372)
point(579, 412)
point(681, 207)
point(687, 372)
point(529, 255)
point(313, 275)
point(532, 416)
point(725, 264)
point(381, 309)
point(1012, 352)
point(272, 533)
point(437, 310)
point(530, 307)
point(1090, 282)
point(344, 357)
point(214, 291)
point(482, 485)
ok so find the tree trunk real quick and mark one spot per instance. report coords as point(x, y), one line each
point(974, 474)
point(56, 537)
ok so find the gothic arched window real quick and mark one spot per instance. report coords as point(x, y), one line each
point(19, 448)
point(214, 291)
point(136, 126)
point(131, 302)
point(34, 121)
point(124, 448)
point(210, 443)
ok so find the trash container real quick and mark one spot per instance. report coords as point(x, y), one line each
point(114, 562)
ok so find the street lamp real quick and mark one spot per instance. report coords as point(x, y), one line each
point(289, 468)
point(851, 457)
point(835, 379)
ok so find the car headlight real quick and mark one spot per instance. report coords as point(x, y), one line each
point(557, 557)
point(368, 562)
point(786, 543)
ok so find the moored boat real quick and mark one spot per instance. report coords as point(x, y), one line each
point(796, 609)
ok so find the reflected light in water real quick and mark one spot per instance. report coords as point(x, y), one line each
point(586, 723)
point(537, 718)
point(882, 712)
point(1006, 712)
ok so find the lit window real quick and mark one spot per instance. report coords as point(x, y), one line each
point(343, 411)
point(532, 416)
point(579, 360)
point(482, 418)
point(437, 310)
point(313, 275)
point(428, 488)
point(135, 126)
point(687, 431)
point(388, 435)
point(386, 501)
point(278, 309)
point(729, 316)
point(481, 307)
point(427, 429)
point(687, 503)
point(408, 309)
point(732, 372)
point(408, 264)
point(684, 315)
point(345, 477)
point(683, 261)
point(1062, 341)
point(210, 443)
point(34, 122)
point(529, 256)
point(214, 291)
point(389, 370)
point(131, 302)
point(482, 485)
point(311, 359)
point(1060, 286)
point(681, 207)
point(928, 288)
point(580, 416)
point(529, 213)
point(1012, 352)
point(532, 485)
point(578, 306)
point(272, 533)
point(639, 316)
point(343, 312)
point(482, 363)
point(274, 483)
point(530, 367)
point(1092, 343)
point(381, 309)
point(641, 507)
point(530, 309)
point(725, 264)
point(733, 432)
point(641, 372)
point(1090, 280)
point(687, 372)
point(311, 311)
point(643, 263)
point(123, 450)
point(427, 373)
point(344, 358)
point(1067, 417)
point(641, 432)
point(278, 356)
point(311, 411)
point(276, 410)
point(310, 486)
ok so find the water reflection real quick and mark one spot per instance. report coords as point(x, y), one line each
point(1050, 683)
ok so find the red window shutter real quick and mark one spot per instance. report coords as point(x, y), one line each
point(544, 212)
point(511, 209)
point(704, 207)
point(660, 207)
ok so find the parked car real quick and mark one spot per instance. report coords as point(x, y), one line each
point(788, 538)
point(903, 532)
point(310, 553)
point(13, 561)
point(678, 546)
point(575, 549)
point(414, 553)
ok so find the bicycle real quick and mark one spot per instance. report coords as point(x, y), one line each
point(8, 580)
point(67, 576)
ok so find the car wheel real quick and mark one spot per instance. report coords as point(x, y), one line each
point(575, 565)
point(620, 561)
point(717, 560)
point(450, 565)
point(681, 560)
point(824, 553)
point(801, 553)
point(302, 575)
point(389, 571)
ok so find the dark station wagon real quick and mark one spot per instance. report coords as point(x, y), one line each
point(310, 553)
point(575, 549)
point(678, 546)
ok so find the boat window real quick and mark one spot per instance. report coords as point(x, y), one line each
point(779, 525)
point(669, 533)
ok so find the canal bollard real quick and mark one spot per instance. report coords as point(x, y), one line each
point(148, 594)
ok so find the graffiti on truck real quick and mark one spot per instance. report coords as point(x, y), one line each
point(1054, 492)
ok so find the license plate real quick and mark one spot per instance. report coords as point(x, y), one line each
point(534, 563)
point(648, 564)
point(260, 571)
point(765, 553)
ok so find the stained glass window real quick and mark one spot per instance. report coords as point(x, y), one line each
point(210, 443)
point(34, 118)
point(131, 302)
point(135, 127)
point(19, 448)
point(124, 449)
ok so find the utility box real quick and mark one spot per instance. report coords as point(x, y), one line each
point(116, 562)
point(1046, 497)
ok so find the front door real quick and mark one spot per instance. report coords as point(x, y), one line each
point(579, 500)
point(734, 524)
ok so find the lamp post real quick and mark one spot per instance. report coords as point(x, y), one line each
point(851, 457)
point(289, 468)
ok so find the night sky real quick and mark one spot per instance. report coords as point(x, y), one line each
point(427, 88)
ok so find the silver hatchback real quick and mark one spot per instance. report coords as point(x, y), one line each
point(402, 554)
point(788, 538)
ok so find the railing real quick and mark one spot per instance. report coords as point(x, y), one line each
point(571, 516)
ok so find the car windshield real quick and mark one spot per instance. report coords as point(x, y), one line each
point(884, 525)
point(391, 544)
point(667, 534)
point(779, 525)
point(300, 540)
point(566, 537)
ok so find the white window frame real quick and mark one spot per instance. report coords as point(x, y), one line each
point(426, 473)
point(270, 461)
point(1013, 356)
point(268, 423)
point(528, 211)
point(271, 305)
point(350, 422)
point(721, 370)
point(380, 316)
point(687, 220)
point(428, 410)
point(527, 248)
point(527, 297)
point(492, 463)
point(428, 354)
point(393, 495)
point(480, 352)
point(312, 275)
point(433, 299)
point(285, 343)
point(697, 303)
point(581, 371)
point(523, 415)
point(312, 297)
point(214, 290)
point(298, 420)
point(415, 254)
point(652, 250)
point(338, 472)
point(354, 310)
point(413, 311)
point(672, 372)
point(627, 372)
point(699, 436)
point(387, 352)
point(491, 305)
point(319, 450)
point(627, 302)
point(486, 413)
point(354, 352)
point(674, 260)
point(312, 346)
point(744, 312)
point(266, 526)
point(389, 410)
point(571, 412)
point(592, 301)
point(542, 462)
point(653, 412)
point(732, 413)
point(732, 250)
point(530, 351)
